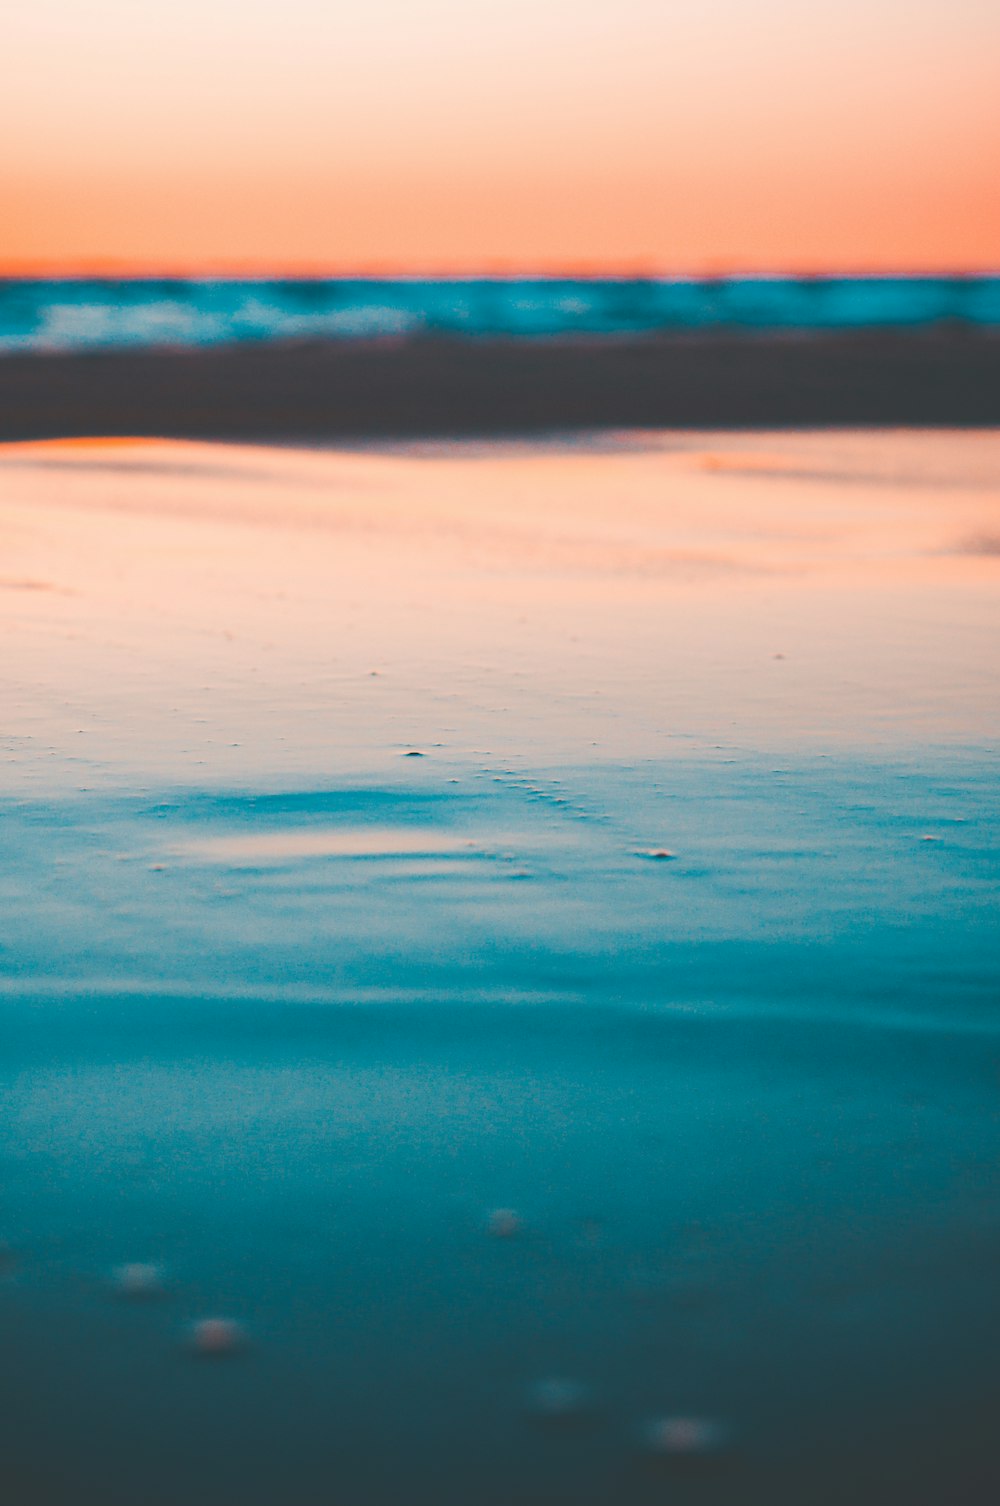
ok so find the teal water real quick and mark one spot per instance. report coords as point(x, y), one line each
point(84, 313)
point(289, 1013)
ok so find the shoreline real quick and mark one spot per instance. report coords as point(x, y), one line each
point(453, 388)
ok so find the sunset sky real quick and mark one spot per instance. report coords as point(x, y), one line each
point(454, 135)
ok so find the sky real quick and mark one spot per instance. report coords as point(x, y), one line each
point(474, 135)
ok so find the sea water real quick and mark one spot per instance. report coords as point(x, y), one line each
point(95, 313)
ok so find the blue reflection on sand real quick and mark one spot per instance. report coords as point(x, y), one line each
point(289, 1017)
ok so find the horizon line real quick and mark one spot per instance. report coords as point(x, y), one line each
point(376, 269)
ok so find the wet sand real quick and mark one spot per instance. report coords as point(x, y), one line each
point(364, 389)
point(600, 830)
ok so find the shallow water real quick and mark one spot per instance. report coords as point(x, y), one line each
point(603, 830)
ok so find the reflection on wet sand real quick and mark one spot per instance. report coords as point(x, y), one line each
point(594, 1107)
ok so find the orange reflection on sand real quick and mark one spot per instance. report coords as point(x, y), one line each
point(327, 842)
point(233, 606)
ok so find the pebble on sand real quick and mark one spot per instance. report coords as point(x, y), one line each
point(504, 1223)
point(138, 1279)
point(217, 1337)
point(685, 1437)
point(558, 1400)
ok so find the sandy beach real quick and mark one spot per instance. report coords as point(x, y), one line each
point(509, 924)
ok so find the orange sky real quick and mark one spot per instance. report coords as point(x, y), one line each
point(474, 134)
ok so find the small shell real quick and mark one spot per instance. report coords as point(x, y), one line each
point(685, 1437)
point(558, 1400)
point(504, 1223)
point(217, 1337)
point(138, 1280)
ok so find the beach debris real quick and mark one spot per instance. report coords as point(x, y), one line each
point(504, 1223)
point(685, 1437)
point(138, 1280)
point(559, 1400)
point(216, 1338)
point(658, 854)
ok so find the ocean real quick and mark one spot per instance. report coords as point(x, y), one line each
point(101, 313)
